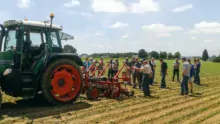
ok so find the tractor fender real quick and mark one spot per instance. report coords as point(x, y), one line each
point(54, 56)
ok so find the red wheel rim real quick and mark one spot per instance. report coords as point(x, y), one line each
point(94, 93)
point(65, 83)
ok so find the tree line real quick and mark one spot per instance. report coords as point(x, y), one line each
point(142, 53)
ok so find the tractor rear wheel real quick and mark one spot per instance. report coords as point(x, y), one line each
point(92, 93)
point(62, 82)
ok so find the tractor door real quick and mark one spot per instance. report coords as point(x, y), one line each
point(7, 44)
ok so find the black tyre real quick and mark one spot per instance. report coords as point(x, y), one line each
point(62, 82)
point(92, 93)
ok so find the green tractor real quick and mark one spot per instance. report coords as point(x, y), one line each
point(32, 62)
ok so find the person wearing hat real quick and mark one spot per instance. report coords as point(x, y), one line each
point(163, 73)
point(176, 66)
point(147, 74)
point(186, 75)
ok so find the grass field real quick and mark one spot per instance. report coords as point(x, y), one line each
point(167, 106)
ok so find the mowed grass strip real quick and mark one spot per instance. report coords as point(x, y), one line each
point(149, 116)
point(124, 111)
point(94, 110)
point(186, 113)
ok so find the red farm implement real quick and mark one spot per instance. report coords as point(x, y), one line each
point(95, 86)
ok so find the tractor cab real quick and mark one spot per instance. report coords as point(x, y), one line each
point(28, 49)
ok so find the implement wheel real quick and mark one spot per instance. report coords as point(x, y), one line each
point(62, 82)
point(92, 93)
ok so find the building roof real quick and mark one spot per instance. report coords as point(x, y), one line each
point(30, 23)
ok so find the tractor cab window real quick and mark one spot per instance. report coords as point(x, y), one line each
point(36, 38)
point(54, 39)
point(10, 40)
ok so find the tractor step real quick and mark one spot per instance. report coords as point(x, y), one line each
point(28, 85)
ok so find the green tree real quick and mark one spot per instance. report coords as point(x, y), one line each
point(163, 55)
point(142, 53)
point(170, 56)
point(69, 49)
point(177, 55)
point(205, 55)
point(154, 54)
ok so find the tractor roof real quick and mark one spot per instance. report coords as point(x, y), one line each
point(42, 24)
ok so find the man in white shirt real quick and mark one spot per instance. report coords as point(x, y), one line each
point(153, 65)
point(186, 75)
point(147, 74)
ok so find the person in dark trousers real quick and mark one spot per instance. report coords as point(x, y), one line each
point(186, 75)
point(163, 73)
point(176, 70)
point(197, 72)
point(153, 65)
point(110, 68)
point(128, 69)
point(141, 73)
point(136, 74)
point(147, 74)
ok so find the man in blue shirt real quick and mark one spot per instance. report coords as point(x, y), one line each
point(87, 65)
point(197, 72)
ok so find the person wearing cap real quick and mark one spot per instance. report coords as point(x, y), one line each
point(153, 65)
point(147, 74)
point(136, 74)
point(186, 75)
point(176, 66)
point(197, 72)
point(163, 73)
point(110, 68)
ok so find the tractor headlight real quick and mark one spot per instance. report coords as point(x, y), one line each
point(7, 71)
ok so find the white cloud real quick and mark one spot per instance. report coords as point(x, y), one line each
point(108, 6)
point(25, 3)
point(162, 30)
point(119, 25)
point(124, 36)
point(87, 15)
point(209, 41)
point(193, 38)
point(163, 35)
point(144, 6)
point(72, 3)
point(205, 27)
point(183, 8)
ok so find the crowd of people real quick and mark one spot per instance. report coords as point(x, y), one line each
point(143, 72)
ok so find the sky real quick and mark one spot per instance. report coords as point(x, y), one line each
point(187, 26)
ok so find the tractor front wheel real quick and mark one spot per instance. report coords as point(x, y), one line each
point(62, 82)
